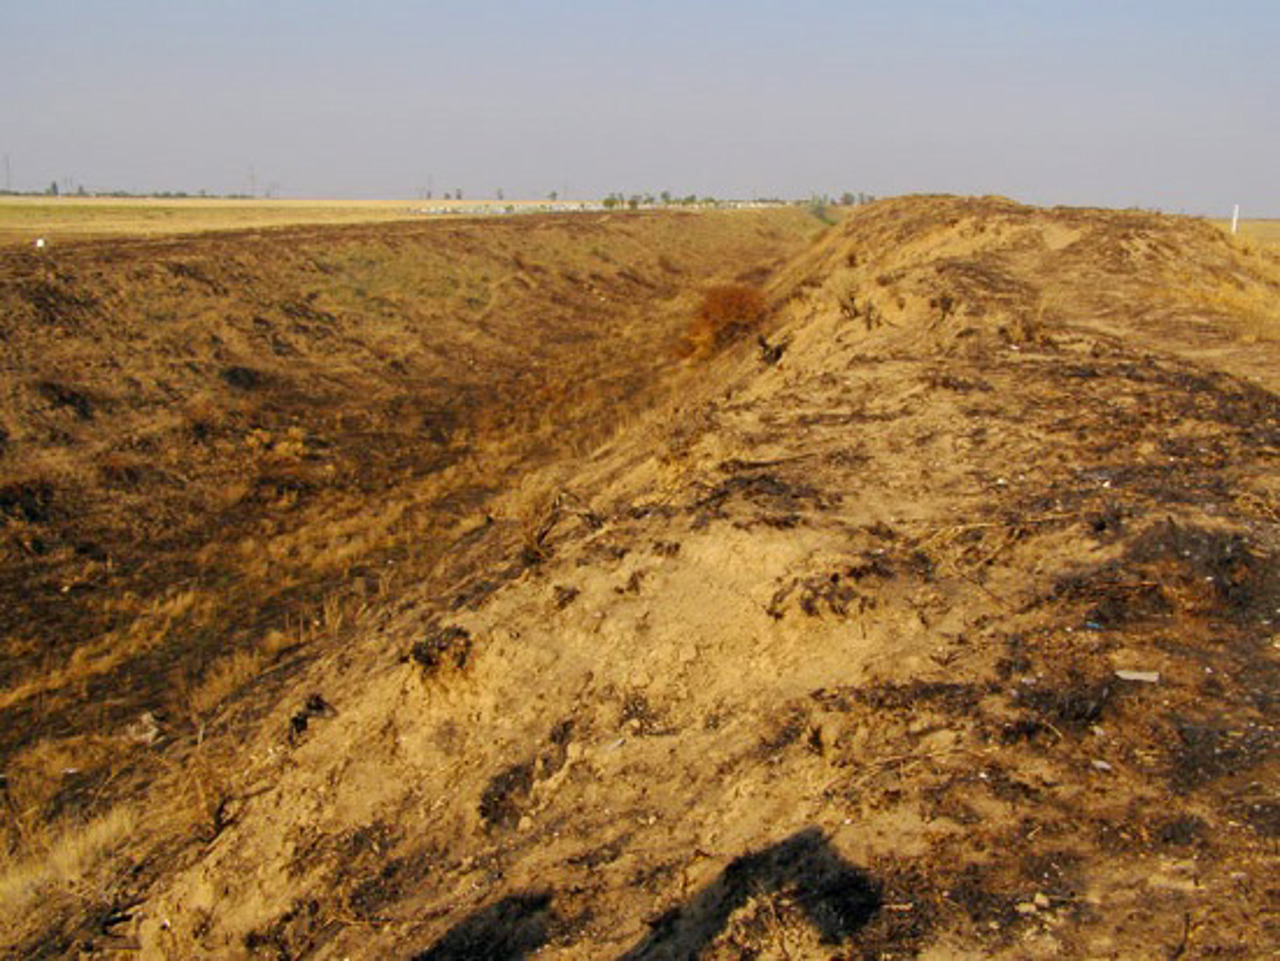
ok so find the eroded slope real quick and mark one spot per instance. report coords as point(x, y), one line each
point(948, 632)
point(215, 451)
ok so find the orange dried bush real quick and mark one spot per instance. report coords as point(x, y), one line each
point(727, 313)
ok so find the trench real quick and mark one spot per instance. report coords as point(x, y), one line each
point(240, 445)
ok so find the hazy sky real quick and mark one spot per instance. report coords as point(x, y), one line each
point(1158, 103)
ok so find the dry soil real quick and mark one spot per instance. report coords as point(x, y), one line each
point(936, 618)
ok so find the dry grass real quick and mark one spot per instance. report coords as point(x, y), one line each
point(1254, 310)
point(60, 866)
point(1251, 298)
point(227, 674)
point(152, 623)
point(45, 861)
point(727, 313)
point(1263, 233)
point(63, 862)
point(37, 775)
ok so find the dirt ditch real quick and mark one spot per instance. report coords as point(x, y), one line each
point(947, 631)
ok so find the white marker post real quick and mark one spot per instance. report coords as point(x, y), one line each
point(1235, 218)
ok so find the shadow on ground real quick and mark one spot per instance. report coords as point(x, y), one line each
point(836, 897)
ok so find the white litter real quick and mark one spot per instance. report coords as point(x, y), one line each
point(1144, 677)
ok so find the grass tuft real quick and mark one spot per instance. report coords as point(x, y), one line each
point(64, 862)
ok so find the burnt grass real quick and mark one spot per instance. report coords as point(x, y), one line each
point(202, 397)
point(1177, 584)
point(501, 804)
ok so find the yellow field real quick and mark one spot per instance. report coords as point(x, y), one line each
point(1263, 232)
point(23, 219)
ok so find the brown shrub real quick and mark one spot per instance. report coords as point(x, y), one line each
point(727, 313)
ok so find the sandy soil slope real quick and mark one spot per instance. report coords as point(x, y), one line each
point(940, 622)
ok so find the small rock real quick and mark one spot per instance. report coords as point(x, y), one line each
point(145, 730)
point(1101, 766)
point(1041, 900)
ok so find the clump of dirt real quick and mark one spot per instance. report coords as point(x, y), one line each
point(442, 646)
point(500, 804)
point(1077, 704)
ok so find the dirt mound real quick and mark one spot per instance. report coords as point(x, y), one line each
point(938, 621)
point(958, 276)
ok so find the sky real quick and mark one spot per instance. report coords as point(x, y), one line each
point(1165, 104)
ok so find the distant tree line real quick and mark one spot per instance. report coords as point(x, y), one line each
point(54, 190)
point(614, 201)
point(619, 200)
